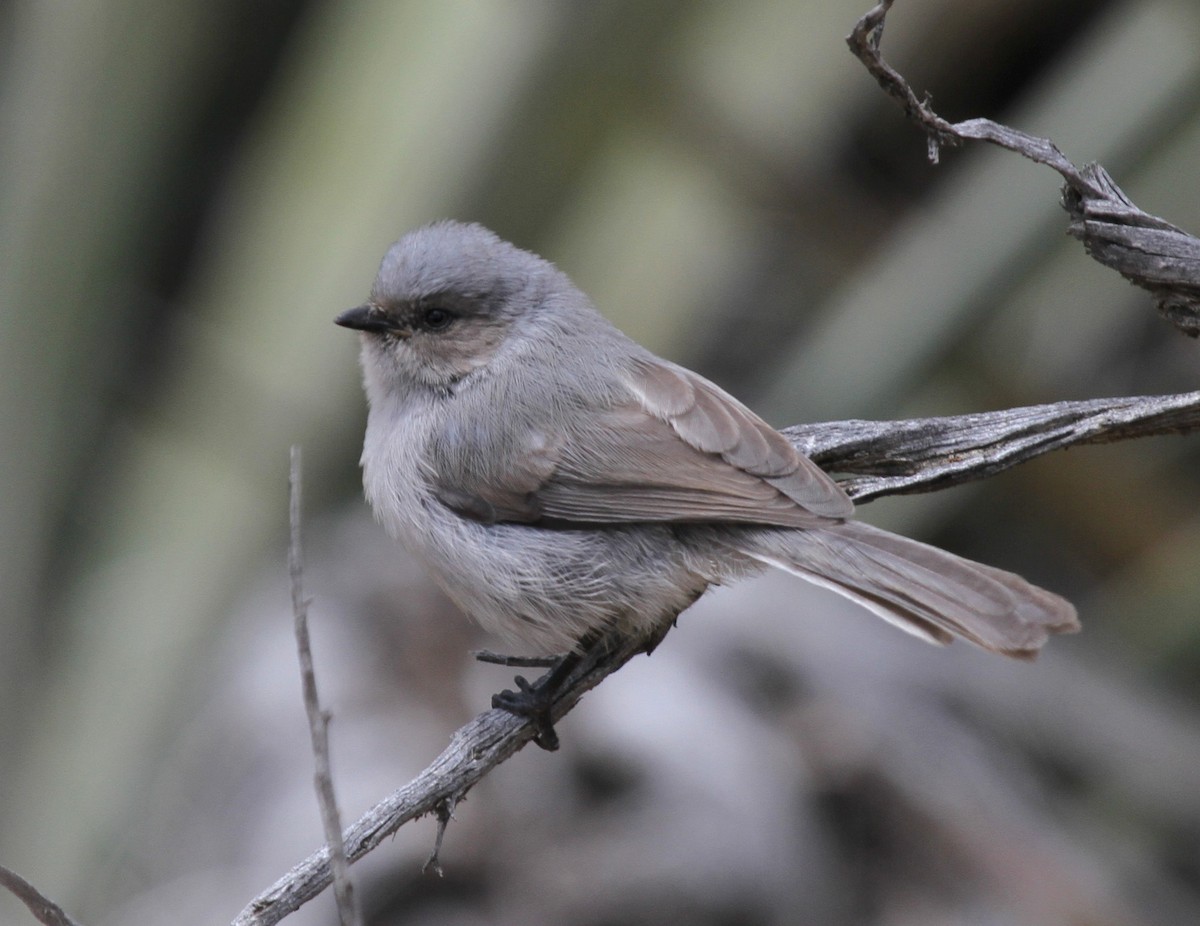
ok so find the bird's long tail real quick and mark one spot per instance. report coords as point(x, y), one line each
point(924, 590)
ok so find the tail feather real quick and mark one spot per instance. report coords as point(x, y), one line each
point(924, 590)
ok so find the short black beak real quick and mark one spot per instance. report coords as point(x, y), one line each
point(366, 317)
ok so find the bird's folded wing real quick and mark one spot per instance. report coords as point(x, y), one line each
point(679, 449)
point(708, 419)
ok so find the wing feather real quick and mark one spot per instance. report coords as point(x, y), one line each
point(716, 422)
point(679, 449)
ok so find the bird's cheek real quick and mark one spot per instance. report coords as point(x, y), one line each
point(471, 350)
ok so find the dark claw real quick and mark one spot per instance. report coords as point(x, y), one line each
point(532, 702)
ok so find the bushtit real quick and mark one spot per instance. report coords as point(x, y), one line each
point(562, 482)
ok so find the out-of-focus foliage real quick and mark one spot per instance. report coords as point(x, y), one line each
point(190, 191)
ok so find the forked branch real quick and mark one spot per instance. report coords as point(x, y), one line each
point(1148, 251)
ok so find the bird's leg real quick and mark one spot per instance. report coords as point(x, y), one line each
point(534, 700)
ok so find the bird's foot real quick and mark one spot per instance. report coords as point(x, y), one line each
point(533, 702)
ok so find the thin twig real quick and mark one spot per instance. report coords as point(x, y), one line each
point(1148, 251)
point(864, 42)
point(445, 813)
point(932, 453)
point(44, 909)
point(318, 719)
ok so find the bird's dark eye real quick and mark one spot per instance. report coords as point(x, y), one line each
point(436, 319)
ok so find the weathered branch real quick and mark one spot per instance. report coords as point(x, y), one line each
point(885, 458)
point(927, 454)
point(1146, 250)
point(474, 750)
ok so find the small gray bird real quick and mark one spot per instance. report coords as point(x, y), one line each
point(562, 482)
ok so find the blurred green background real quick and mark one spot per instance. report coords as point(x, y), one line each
point(189, 192)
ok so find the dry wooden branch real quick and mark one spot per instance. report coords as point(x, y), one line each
point(1146, 250)
point(474, 750)
point(927, 454)
point(885, 458)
